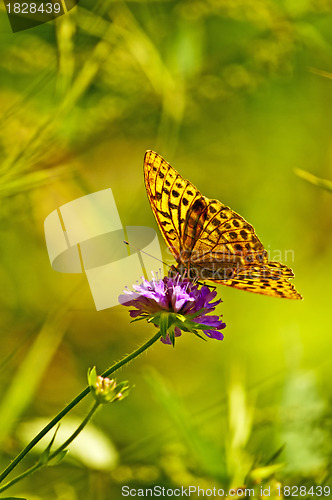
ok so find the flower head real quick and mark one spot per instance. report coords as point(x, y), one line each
point(175, 305)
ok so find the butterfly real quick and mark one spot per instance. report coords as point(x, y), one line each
point(209, 240)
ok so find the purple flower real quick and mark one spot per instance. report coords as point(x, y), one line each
point(175, 305)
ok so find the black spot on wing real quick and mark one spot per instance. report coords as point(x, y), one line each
point(198, 205)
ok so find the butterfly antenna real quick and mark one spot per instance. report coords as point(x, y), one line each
point(146, 253)
point(168, 265)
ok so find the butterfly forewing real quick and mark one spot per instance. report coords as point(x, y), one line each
point(170, 197)
point(207, 237)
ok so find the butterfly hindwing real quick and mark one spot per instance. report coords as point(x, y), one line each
point(275, 288)
point(271, 278)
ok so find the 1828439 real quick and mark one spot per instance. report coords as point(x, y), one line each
point(33, 8)
point(304, 491)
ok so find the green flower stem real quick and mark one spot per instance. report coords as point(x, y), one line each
point(76, 433)
point(73, 403)
point(55, 453)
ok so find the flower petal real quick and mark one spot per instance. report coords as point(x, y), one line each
point(214, 334)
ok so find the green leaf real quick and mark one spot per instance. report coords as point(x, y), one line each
point(58, 458)
point(195, 314)
point(154, 318)
point(172, 336)
point(198, 335)
point(264, 472)
point(92, 376)
point(43, 459)
point(317, 181)
point(200, 326)
point(140, 319)
point(163, 324)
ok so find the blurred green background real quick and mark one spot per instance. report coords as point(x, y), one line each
point(236, 95)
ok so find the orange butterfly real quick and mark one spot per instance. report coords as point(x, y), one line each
point(208, 239)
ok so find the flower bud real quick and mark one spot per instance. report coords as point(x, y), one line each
point(106, 390)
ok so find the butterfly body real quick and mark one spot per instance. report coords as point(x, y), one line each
point(207, 238)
